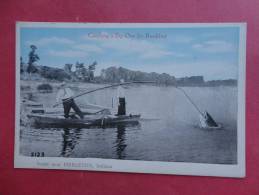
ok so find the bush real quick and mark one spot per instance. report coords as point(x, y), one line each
point(47, 88)
point(25, 88)
point(54, 73)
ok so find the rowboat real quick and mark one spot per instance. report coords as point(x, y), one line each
point(98, 120)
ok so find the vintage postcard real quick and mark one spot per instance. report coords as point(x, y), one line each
point(146, 98)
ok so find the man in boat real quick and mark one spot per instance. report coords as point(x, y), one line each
point(122, 101)
point(66, 95)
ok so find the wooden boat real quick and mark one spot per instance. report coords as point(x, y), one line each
point(58, 121)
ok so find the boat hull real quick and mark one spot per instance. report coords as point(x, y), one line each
point(42, 121)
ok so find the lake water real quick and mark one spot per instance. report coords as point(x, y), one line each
point(168, 130)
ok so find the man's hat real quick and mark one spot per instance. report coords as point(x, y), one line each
point(33, 47)
point(63, 84)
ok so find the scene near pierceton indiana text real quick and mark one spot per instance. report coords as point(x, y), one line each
point(151, 94)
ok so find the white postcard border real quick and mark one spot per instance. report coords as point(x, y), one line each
point(97, 164)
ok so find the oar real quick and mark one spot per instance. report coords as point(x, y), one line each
point(101, 88)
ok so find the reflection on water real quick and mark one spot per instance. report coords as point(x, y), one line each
point(174, 137)
point(120, 142)
point(70, 139)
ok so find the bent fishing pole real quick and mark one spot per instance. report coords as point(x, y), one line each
point(205, 115)
point(102, 88)
point(190, 100)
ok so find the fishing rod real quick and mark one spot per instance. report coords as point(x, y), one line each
point(207, 118)
point(191, 101)
point(101, 88)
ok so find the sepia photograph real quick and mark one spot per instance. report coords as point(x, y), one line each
point(148, 98)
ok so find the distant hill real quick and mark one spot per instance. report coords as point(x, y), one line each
point(226, 82)
point(116, 74)
point(190, 81)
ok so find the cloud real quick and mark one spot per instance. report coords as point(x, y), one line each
point(51, 40)
point(68, 53)
point(141, 48)
point(80, 50)
point(73, 49)
point(182, 39)
point(214, 46)
point(209, 69)
point(160, 53)
point(88, 48)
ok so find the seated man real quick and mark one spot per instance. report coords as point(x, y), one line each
point(66, 95)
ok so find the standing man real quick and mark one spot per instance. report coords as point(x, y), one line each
point(122, 101)
point(66, 95)
point(33, 57)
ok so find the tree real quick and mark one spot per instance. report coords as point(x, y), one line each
point(91, 69)
point(68, 68)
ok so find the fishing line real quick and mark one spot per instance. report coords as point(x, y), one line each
point(189, 98)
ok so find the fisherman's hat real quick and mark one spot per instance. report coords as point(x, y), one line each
point(33, 47)
point(63, 84)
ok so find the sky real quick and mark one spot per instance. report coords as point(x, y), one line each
point(211, 52)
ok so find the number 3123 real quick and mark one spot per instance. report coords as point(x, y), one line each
point(37, 154)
